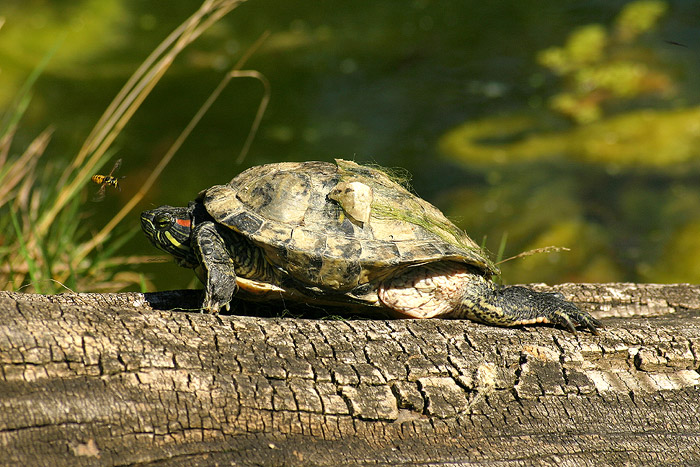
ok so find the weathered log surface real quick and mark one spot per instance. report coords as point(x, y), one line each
point(118, 379)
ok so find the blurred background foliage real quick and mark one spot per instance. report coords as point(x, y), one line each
point(531, 123)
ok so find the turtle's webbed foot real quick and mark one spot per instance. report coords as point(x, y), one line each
point(525, 306)
point(569, 316)
point(219, 294)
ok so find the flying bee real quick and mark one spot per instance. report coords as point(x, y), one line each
point(107, 180)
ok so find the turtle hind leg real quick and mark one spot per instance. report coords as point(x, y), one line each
point(516, 305)
point(218, 274)
point(455, 290)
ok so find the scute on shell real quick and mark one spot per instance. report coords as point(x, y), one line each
point(355, 198)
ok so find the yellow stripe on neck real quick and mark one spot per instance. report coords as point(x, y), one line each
point(173, 241)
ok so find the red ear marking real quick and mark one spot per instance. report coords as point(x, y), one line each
point(184, 222)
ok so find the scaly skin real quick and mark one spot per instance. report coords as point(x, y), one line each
point(219, 274)
point(489, 303)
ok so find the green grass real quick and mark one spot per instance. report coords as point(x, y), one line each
point(45, 245)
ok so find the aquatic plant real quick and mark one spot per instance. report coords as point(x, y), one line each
point(600, 66)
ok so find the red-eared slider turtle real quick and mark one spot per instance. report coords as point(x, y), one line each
point(342, 234)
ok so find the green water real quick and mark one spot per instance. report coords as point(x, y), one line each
point(387, 82)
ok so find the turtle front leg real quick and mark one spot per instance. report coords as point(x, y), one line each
point(219, 276)
point(516, 305)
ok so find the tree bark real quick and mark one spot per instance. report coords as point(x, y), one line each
point(115, 379)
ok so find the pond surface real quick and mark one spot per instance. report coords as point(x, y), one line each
point(455, 92)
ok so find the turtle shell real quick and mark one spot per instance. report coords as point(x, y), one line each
point(337, 226)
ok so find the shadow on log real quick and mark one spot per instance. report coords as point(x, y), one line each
point(119, 379)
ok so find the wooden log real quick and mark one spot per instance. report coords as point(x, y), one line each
point(131, 378)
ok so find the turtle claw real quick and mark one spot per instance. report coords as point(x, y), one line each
point(566, 322)
point(210, 305)
point(569, 316)
point(592, 324)
point(580, 319)
point(214, 301)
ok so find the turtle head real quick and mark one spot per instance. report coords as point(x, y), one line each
point(170, 229)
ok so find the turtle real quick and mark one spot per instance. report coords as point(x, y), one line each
point(343, 234)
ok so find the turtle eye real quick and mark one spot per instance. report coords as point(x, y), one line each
point(163, 221)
